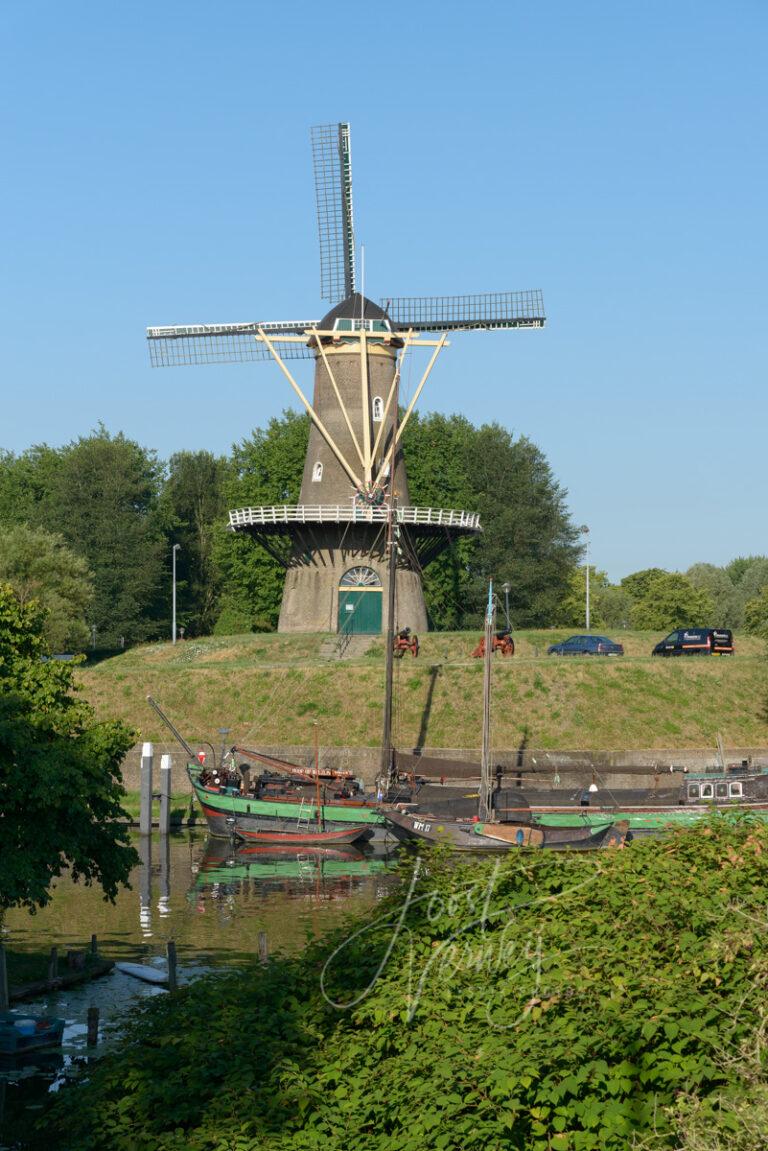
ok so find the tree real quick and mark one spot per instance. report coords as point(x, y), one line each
point(265, 468)
point(104, 497)
point(194, 506)
point(26, 482)
point(527, 539)
point(609, 606)
point(668, 601)
point(756, 614)
point(40, 566)
point(717, 583)
point(638, 583)
point(60, 786)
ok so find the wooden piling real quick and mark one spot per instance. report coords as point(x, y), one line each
point(263, 947)
point(145, 805)
point(165, 794)
point(171, 953)
point(94, 947)
point(53, 965)
point(4, 997)
point(93, 1026)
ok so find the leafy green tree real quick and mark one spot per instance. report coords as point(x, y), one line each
point(669, 601)
point(756, 614)
point(265, 468)
point(717, 583)
point(60, 786)
point(572, 610)
point(638, 583)
point(527, 539)
point(26, 482)
point(104, 497)
point(738, 568)
point(194, 505)
point(40, 566)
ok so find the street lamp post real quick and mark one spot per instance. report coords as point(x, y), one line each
point(585, 532)
point(505, 588)
point(176, 547)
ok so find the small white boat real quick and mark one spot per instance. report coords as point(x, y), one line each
point(143, 971)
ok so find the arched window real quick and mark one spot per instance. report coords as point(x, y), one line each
point(317, 473)
point(378, 409)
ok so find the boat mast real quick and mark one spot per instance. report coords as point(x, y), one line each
point(387, 772)
point(486, 782)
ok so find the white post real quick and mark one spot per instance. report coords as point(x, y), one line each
point(165, 794)
point(145, 808)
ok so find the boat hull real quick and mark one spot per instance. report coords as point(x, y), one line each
point(223, 809)
point(461, 835)
point(309, 837)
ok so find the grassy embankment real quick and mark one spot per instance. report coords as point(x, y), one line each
point(269, 689)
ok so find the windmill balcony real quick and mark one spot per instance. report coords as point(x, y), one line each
point(424, 519)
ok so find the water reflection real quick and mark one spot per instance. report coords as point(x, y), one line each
point(214, 900)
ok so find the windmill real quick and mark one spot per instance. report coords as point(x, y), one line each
point(354, 473)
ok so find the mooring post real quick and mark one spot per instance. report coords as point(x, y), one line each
point(4, 996)
point(53, 965)
point(263, 947)
point(145, 810)
point(165, 794)
point(171, 953)
point(94, 947)
point(93, 1026)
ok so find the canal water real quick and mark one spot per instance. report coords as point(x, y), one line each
point(213, 901)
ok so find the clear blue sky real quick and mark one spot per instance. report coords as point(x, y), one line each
point(156, 169)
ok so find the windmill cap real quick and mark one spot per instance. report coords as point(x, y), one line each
point(355, 307)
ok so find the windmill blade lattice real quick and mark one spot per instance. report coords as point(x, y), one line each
point(224, 343)
point(332, 162)
point(491, 310)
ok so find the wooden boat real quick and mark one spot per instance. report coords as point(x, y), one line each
point(274, 805)
point(734, 787)
point(21, 1032)
point(474, 835)
point(283, 799)
point(311, 835)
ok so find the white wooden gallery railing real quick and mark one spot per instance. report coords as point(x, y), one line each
point(350, 513)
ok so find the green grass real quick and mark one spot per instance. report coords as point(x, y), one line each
point(272, 689)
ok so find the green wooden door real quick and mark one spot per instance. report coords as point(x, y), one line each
point(360, 610)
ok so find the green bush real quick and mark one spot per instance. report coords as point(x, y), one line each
point(542, 1002)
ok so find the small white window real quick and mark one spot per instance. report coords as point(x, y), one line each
point(736, 790)
point(706, 791)
point(378, 409)
point(317, 473)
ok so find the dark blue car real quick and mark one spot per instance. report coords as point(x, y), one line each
point(586, 645)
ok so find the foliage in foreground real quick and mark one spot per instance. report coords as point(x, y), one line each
point(547, 1001)
point(60, 783)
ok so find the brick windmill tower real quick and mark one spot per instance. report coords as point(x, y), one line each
point(354, 473)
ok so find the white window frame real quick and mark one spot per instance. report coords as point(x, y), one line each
point(317, 472)
point(707, 791)
point(378, 409)
point(736, 790)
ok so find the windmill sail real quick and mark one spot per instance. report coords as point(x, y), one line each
point(332, 162)
point(225, 343)
point(462, 313)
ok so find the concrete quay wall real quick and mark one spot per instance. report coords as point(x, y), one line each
point(620, 768)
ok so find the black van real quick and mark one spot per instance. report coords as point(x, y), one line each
point(696, 641)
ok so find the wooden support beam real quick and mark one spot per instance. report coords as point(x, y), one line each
point(393, 388)
point(341, 403)
point(366, 405)
point(412, 404)
point(312, 413)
